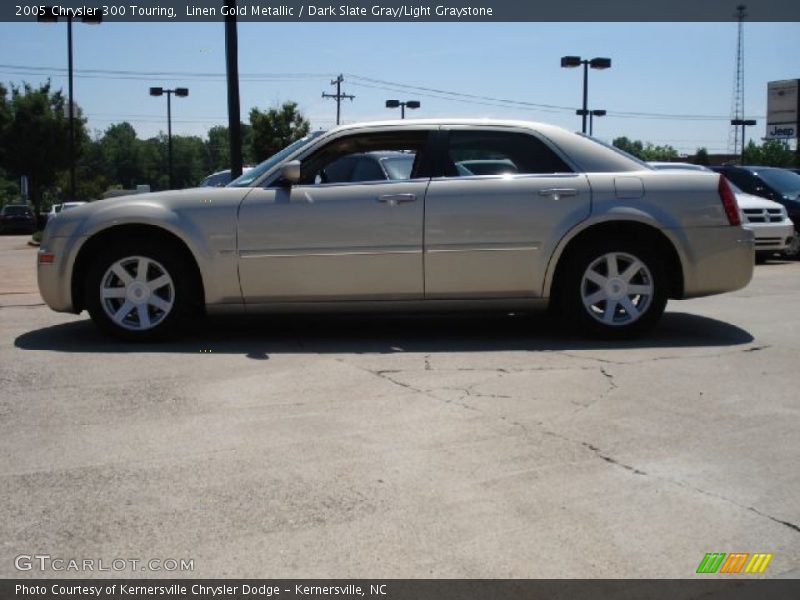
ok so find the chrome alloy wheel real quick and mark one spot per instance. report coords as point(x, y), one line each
point(137, 293)
point(617, 289)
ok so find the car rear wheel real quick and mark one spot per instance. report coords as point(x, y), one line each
point(138, 291)
point(613, 290)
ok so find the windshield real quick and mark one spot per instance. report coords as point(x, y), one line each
point(785, 182)
point(256, 172)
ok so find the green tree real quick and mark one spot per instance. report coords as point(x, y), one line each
point(5, 120)
point(218, 147)
point(275, 129)
point(646, 150)
point(188, 161)
point(772, 153)
point(36, 137)
point(631, 147)
point(153, 156)
point(701, 157)
point(117, 153)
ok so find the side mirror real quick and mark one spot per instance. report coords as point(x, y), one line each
point(290, 172)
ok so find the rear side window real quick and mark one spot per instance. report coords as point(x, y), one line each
point(499, 153)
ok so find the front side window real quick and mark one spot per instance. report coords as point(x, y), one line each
point(499, 153)
point(365, 157)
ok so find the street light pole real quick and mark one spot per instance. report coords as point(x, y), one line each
point(412, 104)
point(169, 137)
point(585, 94)
point(592, 115)
point(50, 15)
point(595, 63)
point(744, 123)
point(181, 93)
point(72, 177)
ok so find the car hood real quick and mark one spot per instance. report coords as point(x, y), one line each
point(750, 201)
point(135, 206)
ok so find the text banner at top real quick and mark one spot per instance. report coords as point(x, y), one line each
point(397, 10)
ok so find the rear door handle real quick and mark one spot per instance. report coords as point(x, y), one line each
point(556, 193)
point(395, 199)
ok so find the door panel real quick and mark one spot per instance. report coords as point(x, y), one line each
point(332, 242)
point(493, 236)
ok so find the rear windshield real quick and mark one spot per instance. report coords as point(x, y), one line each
point(399, 167)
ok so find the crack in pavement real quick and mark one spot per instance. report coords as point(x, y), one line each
point(662, 358)
point(545, 430)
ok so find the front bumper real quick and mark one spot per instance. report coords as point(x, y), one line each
point(717, 260)
point(55, 278)
point(772, 236)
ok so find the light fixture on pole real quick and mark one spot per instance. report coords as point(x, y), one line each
point(744, 123)
point(403, 105)
point(592, 115)
point(93, 17)
point(569, 62)
point(181, 92)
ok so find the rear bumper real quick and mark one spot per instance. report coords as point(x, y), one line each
point(717, 260)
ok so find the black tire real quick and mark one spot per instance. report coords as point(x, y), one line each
point(598, 319)
point(762, 257)
point(792, 252)
point(179, 293)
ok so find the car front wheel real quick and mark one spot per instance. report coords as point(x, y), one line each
point(792, 251)
point(613, 290)
point(137, 293)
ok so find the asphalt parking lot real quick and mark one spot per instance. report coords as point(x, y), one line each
point(473, 447)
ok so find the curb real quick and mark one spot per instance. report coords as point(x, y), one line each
point(34, 244)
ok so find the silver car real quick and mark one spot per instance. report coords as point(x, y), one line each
point(567, 222)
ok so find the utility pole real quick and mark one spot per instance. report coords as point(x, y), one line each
point(338, 96)
point(232, 71)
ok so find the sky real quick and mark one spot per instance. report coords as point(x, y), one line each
point(668, 70)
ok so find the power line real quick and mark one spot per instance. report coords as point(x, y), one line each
point(365, 82)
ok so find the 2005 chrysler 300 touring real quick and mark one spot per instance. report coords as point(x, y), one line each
point(450, 215)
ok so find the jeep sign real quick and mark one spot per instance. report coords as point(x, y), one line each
point(783, 106)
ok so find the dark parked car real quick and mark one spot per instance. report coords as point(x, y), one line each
point(780, 185)
point(17, 218)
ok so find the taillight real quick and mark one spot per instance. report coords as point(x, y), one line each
point(729, 201)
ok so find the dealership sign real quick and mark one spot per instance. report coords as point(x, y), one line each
point(783, 106)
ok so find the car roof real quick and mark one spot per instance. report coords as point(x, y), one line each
point(450, 121)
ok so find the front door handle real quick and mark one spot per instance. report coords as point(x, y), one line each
point(556, 193)
point(395, 199)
